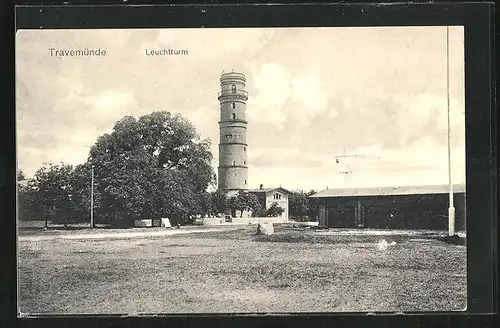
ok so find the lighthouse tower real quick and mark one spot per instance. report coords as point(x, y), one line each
point(233, 169)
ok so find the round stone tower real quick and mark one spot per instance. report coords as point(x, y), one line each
point(233, 169)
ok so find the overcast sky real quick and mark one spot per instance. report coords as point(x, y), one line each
point(312, 93)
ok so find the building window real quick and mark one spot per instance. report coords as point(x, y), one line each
point(234, 116)
point(244, 162)
point(244, 148)
point(229, 135)
point(234, 163)
point(277, 196)
point(245, 181)
point(233, 105)
point(233, 88)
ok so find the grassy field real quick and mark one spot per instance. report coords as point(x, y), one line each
point(232, 270)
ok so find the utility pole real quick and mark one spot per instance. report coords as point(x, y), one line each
point(46, 216)
point(345, 173)
point(451, 209)
point(92, 199)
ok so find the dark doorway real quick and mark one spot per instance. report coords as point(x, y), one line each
point(341, 216)
point(385, 216)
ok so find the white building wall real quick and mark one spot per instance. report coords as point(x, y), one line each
point(281, 200)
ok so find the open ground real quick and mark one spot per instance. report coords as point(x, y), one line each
point(230, 269)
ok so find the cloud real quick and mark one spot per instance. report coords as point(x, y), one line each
point(68, 136)
point(205, 120)
point(280, 96)
point(312, 92)
point(427, 114)
point(308, 91)
point(422, 162)
point(275, 157)
point(272, 89)
point(346, 102)
point(165, 38)
point(109, 104)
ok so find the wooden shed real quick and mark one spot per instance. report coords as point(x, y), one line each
point(408, 207)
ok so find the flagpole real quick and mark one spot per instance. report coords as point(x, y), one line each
point(451, 209)
point(92, 200)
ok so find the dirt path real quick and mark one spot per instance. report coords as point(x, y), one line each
point(114, 235)
point(169, 232)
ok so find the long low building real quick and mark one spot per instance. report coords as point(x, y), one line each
point(416, 207)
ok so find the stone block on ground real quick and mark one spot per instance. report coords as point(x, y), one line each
point(265, 229)
point(144, 223)
point(165, 223)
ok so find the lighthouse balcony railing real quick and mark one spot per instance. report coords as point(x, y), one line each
point(233, 92)
point(232, 74)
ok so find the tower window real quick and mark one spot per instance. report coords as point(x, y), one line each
point(233, 105)
point(244, 162)
point(234, 116)
point(245, 181)
point(229, 135)
point(244, 148)
point(233, 88)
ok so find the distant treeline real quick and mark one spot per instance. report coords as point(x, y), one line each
point(154, 166)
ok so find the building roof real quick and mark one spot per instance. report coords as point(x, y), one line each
point(267, 190)
point(389, 191)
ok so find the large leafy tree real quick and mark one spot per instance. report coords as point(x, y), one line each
point(80, 191)
point(253, 204)
point(244, 201)
point(58, 193)
point(25, 198)
point(313, 205)
point(274, 210)
point(153, 166)
point(50, 190)
point(302, 205)
point(218, 202)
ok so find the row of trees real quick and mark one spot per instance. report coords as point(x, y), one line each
point(302, 206)
point(61, 194)
point(56, 193)
point(153, 166)
point(242, 202)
